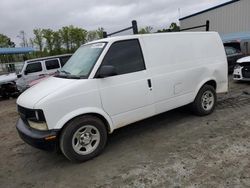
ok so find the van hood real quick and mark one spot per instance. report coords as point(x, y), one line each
point(33, 95)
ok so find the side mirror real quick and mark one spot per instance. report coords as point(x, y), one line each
point(106, 71)
point(26, 72)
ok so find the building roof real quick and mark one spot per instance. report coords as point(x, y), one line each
point(19, 50)
point(235, 36)
point(218, 6)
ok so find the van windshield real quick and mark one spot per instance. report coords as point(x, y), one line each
point(82, 61)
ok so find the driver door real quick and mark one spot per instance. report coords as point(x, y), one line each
point(127, 96)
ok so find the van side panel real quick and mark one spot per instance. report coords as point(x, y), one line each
point(178, 63)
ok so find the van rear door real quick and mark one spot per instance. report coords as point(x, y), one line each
point(127, 96)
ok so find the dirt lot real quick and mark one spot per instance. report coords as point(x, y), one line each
point(174, 149)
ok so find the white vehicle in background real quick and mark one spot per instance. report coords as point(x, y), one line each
point(112, 82)
point(8, 85)
point(36, 69)
point(242, 69)
point(32, 72)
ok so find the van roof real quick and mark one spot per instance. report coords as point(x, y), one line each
point(126, 37)
point(48, 57)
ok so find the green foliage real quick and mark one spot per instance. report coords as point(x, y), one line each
point(5, 42)
point(172, 28)
point(48, 36)
point(77, 37)
point(147, 29)
point(99, 32)
point(64, 33)
point(22, 36)
point(57, 42)
point(38, 40)
point(67, 39)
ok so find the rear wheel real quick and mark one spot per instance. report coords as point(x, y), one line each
point(205, 101)
point(83, 138)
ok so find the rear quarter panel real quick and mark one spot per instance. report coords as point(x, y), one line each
point(180, 63)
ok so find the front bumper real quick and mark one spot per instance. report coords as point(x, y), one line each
point(238, 76)
point(46, 140)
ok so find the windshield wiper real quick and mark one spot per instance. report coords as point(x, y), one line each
point(63, 71)
point(68, 75)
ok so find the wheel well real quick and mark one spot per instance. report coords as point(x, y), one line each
point(211, 83)
point(95, 115)
point(102, 119)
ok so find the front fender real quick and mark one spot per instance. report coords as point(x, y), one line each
point(82, 111)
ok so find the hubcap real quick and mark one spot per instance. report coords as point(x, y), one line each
point(207, 100)
point(86, 139)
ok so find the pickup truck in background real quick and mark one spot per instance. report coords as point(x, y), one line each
point(33, 69)
point(36, 69)
point(233, 55)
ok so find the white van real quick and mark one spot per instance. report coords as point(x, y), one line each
point(38, 68)
point(113, 82)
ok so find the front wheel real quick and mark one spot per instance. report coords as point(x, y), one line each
point(205, 101)
point(83, 138)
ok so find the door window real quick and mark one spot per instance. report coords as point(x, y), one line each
point(52, 64)
point(125, 56)
point(34, 67)
point(231, 51)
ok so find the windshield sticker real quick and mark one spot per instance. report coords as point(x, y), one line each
point(98, 45)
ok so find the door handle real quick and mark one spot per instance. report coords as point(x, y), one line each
point(149, 84)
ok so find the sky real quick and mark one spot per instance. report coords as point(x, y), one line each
point(112, 15)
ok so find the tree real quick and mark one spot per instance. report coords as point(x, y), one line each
point(38, 40)
point(31, 43)
point(22, 37)
point(64, 32)
point(57, 42)
point(77, 37)
point(92, 35)
point(5, 42)
point(99, 32)
point(172, 28)
point(147, 29)
point(48, 35)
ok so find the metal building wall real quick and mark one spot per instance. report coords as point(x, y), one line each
point(231, 18)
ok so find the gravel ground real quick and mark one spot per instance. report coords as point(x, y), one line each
point(174, 149)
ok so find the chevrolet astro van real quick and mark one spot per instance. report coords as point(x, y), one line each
point(113, 82)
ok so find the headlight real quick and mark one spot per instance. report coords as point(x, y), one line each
point(35, 118)
point(42, 126)
point(37, 121)
point(237, 67)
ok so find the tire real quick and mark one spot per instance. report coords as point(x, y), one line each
point(205, 101)
point(83, 138)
